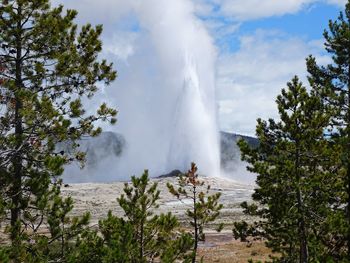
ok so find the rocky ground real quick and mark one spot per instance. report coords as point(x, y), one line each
point(98, 198)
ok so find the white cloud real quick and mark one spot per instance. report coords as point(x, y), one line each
point(219, 29)
point(121, 44)
point(340, 3)
point(252, 9)
point(250, 79)
point(101, 11)
point(239, 10)
point(203, 8)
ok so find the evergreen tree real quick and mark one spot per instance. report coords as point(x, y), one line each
point(136, 203)
point(204, 208)
point(154, 235)
point(295, 182)
point(333, 84)
point(63, 229)
point(112, 243)
point(139, 236)
point(48, 66)
point(58, 244)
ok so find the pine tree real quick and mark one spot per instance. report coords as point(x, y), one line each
point(138, 236)
point(63, 229)
point(295, 182)
point(204, 209)
point(333, 84)
point(113, 242)
point(48, 67)
point(153, 235)
point(137, 203)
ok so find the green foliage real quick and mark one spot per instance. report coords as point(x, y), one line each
point(63, 229)
point(113, 243)
point(332, 83)
point(139, 236)
point(205, 208)
point(178, 248)
point(119, 238)
point(296, 190)
point(242, 230)
point(303, 163)
point(137, 202)
point(89, 248)
point(152, 234)
point(4, 255)
point(48, 67)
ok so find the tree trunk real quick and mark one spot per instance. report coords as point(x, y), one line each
point(348, 201)
point(303, 252)
point(17, 160)
point(303, 246)
point(141, 240)
point(195, 225)
point(348, 166)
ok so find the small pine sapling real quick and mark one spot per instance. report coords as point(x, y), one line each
point(204, 209)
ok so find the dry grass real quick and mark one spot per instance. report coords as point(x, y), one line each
point(223, 248)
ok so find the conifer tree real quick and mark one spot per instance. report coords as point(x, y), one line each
point(294, 164)
point(63, 228)
point(333, 84)
point(204, 209)
point(154, 235)
point(48, 67)
point(137, 202)
point(113, 242)
point(138, 236)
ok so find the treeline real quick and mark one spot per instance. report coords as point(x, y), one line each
point(302, 198)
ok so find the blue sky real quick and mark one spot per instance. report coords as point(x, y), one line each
point(309, 23)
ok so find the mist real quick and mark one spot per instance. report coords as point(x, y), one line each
point(165, 92)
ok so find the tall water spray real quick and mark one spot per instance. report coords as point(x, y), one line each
point(195, 133)
point(165, 93)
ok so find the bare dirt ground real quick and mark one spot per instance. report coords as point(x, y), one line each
point(99, 198)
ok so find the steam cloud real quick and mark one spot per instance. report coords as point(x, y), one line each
point(165, 92)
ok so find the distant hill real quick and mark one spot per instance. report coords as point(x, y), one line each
point(111, 144)
point(230, 154)
point(234, 137)
point(105, 145)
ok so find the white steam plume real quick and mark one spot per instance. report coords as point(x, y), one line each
point(165, 92)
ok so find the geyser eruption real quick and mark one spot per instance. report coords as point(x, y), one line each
point(165, 93)
point(195, 132)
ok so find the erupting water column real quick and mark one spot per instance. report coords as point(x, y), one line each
point(165, 93)
point(195, 131)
